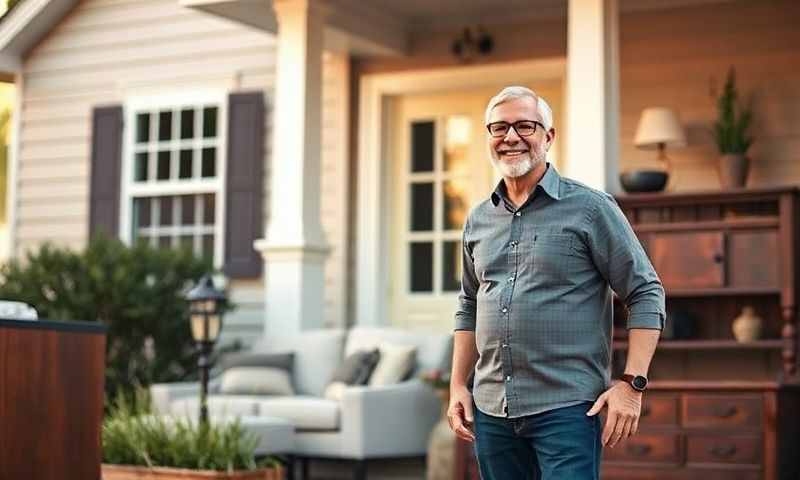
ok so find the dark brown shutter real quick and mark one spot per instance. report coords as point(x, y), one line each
point(244, 193)
point(106, 170)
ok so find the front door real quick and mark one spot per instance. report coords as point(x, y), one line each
point(440, 171)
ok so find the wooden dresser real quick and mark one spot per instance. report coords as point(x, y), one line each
point(716, 408)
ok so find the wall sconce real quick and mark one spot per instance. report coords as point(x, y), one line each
point(470, 44)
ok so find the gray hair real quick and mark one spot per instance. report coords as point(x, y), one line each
point(515, 92)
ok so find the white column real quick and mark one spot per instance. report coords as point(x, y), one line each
point(592, 150)
point(294, 249)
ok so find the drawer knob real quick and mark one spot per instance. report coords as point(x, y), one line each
point(724, 412)
point(638, 449)
point(723, 451)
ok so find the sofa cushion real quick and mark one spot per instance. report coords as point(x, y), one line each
point(396, 364)
point(255, 381)
point(316, 354)
point(220, 405)
point(431, 347)
point(357, 367)
point(283, 360)
point(304, 412)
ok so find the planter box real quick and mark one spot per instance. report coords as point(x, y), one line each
point(127, 472)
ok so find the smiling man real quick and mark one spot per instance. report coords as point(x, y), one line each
point(534, 323)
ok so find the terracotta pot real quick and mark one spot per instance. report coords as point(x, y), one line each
point(441, 459)
point(733, 170)
point(129, 472)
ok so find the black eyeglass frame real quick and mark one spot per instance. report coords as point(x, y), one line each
point(514, 126)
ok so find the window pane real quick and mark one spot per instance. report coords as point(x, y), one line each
point(455, 203)
point(143, 127)
point(209, 162)
point(422, 141)
point(208, 246)
point(163, 165)
point(421, 207)
point(208, 209)
point(451, 269)
point(187, 124)
point(210, 122)
point(187, 209)
point(185, 170)
point(165, 211)
point(186, 242)
point(421, 267)
point(141, 212)
point(165, 241)
point(458, 136)
point(165, 125)
point(140, 167)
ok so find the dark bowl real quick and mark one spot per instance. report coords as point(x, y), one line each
point(637, 181)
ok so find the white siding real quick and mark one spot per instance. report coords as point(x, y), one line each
point(105, 51)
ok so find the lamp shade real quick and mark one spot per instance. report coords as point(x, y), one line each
point(659, 125)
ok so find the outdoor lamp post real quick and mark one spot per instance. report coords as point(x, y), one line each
point(205, 315)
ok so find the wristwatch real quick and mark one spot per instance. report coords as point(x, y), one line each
point(637, 382)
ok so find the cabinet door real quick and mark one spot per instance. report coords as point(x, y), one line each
point(753, 259)
point(689, 260)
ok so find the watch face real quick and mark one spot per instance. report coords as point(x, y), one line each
point(639, 382)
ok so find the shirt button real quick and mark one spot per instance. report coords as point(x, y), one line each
point(518, 214)
point(514, 244)
point(508, 378)
point(504, 310)
point(511, 278)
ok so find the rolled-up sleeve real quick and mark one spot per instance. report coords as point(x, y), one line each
point(620, 258)
point(466, 311)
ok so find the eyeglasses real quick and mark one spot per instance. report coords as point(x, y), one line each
point(524, 128)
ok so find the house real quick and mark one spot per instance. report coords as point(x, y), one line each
point(277, 136)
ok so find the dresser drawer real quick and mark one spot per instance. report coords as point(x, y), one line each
point(724, 449)
point(647, 447)
point(658, 409)
point(722, 411)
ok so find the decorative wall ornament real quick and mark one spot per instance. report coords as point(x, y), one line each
point(470, 44)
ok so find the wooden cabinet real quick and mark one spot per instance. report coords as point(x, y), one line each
point(716, 408)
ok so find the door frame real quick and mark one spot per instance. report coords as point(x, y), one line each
point(375, 160)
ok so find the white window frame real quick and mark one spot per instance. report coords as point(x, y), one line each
point(438, 236)
point(130, 189)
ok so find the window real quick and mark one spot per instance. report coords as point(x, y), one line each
point(438, 191)
point(173, 174)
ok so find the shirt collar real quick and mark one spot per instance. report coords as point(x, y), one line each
point(550, 183)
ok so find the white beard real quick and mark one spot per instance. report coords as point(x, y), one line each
point(518, 168)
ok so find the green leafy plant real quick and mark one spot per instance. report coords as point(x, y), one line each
point(137, 292)
point(133, 436)
point(733, 120)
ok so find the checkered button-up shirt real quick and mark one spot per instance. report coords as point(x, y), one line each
point(537, 290)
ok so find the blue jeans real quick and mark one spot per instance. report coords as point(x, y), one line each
point(560, 444)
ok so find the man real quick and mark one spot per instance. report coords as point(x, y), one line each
point(534, 322)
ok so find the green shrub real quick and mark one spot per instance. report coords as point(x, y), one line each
point(133, 437)
point(137, 292)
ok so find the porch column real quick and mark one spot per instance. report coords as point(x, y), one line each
point(593, 93)
point(294, 249)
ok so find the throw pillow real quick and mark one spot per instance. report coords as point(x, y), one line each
point(255, 381)
point(396, 364)
point(356, 368)
point(334, 391)
point(284, 361)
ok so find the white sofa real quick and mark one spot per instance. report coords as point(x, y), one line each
point(368, 422)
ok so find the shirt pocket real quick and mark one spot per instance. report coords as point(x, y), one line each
point(553, 261)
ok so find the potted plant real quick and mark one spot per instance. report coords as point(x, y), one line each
point(441, 443)
point(141, 446)
point(730, 133)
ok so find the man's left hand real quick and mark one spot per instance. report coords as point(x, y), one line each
point(624, 406)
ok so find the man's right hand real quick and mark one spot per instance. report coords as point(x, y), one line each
point(460, 414)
